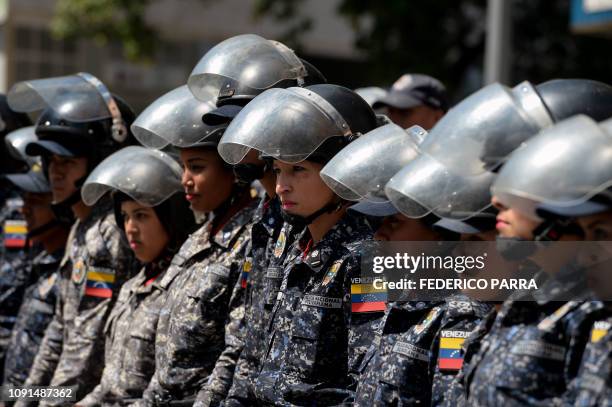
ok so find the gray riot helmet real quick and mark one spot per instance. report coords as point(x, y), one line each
point(9, 122)
point(296, 124)
point(16, 143)
point(241, 67)
point(565, 170)
point(149, 177)
point(176, 119)
point(426, 186)
point(34, 179)
point(480, 132)
point(145, 175)
point(361, 170)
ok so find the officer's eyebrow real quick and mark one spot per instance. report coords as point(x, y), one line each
point(190, 160)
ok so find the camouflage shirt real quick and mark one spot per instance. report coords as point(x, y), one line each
point(315, 340)
point(198, 339)
point(263, 280)
point(129, 361)
point(534, 347)
point(593, 384)
point(96, 264)
point(417, 351)
point(15, 276)
point(34, 316)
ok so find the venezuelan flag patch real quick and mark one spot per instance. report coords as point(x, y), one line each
point(246, 269)
point(367, 298)
point(450, 356)
point(15, 234)
point(99, 283)
point(600, 329)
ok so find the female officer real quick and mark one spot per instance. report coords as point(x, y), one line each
point(196, 347)
point(156, 219)
point(315, 338)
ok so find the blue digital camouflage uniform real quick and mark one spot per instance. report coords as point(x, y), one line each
point(417, 351)
point(14, 267)
point(315, 341)
point(198, 336)
point(533, 349)
point(35, 314)
point(593, 384)
point(455, 393)
point(96, 264)
point(129, 361)
point(261, 254)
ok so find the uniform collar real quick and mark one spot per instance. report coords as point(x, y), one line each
point(227, 234)
point(350, 228)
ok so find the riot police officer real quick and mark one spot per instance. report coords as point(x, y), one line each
point(81, 123)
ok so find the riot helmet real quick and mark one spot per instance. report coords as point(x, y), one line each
point(150, 177)
point(480, 132)
point(241, 67)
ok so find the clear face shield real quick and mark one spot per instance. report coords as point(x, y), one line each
point(285, 124)
point(477, 134)
point(565, 165)
point(175, 119)
point(361, 170)
point(244, 62)
point(147, 176)
point(426, 186)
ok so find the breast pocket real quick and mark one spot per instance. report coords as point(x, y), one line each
point(206, 305)
point(41, 315)
point(140, 355)
point(319, 344)
point(213, 284)
point(535, 365)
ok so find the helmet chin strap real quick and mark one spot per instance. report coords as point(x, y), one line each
point(550, 230)
point(303, 221)
point(42, 229)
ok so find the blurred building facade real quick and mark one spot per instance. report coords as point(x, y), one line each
point(187, 28)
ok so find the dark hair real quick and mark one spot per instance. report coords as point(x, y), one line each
point(174, 215)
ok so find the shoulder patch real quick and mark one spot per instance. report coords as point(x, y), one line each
point(78, 272)
point(46, 285)
point(15, 234)
point(331, 273)
point(600, 329)
point(450, 356)
point(550, 320)
point(281, 242)
point(366, 297)
point(431, 316)
point(246, 269)
point(100, 282)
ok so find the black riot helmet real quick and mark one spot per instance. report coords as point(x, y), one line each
point(565, 98)
point(480, 132)
point(10, 121)
point(357, 113)
point(80, 116)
